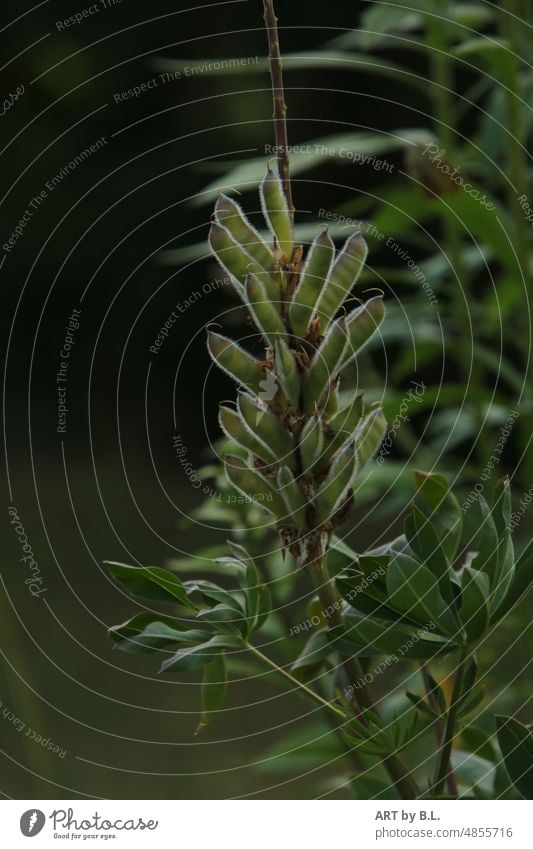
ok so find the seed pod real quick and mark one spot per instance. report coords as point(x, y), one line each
point(287, 372)
point(362, 324)
point(234, 260)
point(312, 282)
point(254, 486)
point(331, 400)
point(369, 435)
point(342, 277)
point(324, 366)
point(263, 311)
point(343, 425)
point(267, 427)
point(235, 361)
point(293, 497)
point(311, 443)
point(337, 484)
point(230, 215)
point(276, 212)
point(235, 429)
point(347, 419)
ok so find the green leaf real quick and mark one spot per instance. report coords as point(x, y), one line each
point(150, 583)
point(186, 660)
point(226, 619)
point(413, 591)
point(212, 592)
point(479, 742)
point(475, 607)
point(132, 636)
point(367, 637)
point(425, 545)
point(214, 688)
point(312, 656)
point(521, 583)
point(516, 743)
point(445, 512)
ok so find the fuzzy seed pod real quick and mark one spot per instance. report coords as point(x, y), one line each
point(343, 425)
point(312, 281)
point(287, 372)
point(267, 427)
point(347, 419)
point(235, 429)
point(277, 213)
point(311, 443)
point(337, 484)
point(235, 361)
point(254, 486)
point(264, 312)
point(362, 324)
point(324, 366)
point(293, 497)
point(230, 215)
point(342, 277)
point(369, 435)
point(234, 260)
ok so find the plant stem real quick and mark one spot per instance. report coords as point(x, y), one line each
point(397, 770)
point(294, 681)
point(280, 108)
point(452, 784)
point(443, 766)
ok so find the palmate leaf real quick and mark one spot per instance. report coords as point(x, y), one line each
point(426, 547)
point(198, 656)
point(413, 591)
point(130, 636)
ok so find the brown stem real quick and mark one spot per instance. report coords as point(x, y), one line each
point(453, 790)
point(278, 96)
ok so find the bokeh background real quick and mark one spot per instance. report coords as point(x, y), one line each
point(121, 237)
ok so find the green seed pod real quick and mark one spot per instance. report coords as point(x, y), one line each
point(287, 372)
point(293, 497)
point(235, 429)
point(337, 484)
point(347, 419)
point(312, 282)
point(235, 361)
point(331, 406)
point(362, 324)
point(311, 443)
point(266, 426)
point(369, 435)
point(254, 486)
point(276, 212)
point(230, 215)
point(263, 311)
point(234, 260)
point(343, 425)
point(342, 277)
point(324, 366)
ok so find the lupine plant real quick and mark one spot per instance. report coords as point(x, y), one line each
point(295, 449)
